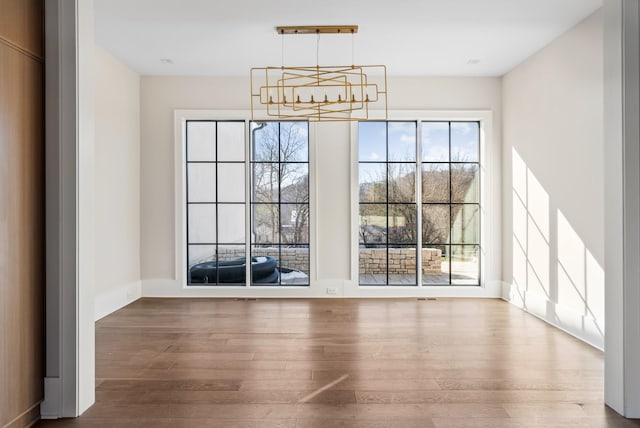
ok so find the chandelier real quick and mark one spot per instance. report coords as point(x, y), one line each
point(319, 93)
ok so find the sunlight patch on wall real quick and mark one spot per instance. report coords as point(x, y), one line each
point(595, 289)
point(571, 266)
point(531, 252)
point(519, 246)
point(519, 175)
point(538, 205)
point(538, 274)
point(550, 261)
point(580, 276)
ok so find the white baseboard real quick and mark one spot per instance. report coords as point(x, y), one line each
point(587, 329)
point(505, 289)
point(323, 288)
point(176, 288)
point(116, 298)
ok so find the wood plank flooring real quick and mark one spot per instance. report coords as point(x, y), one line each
point(394, 363)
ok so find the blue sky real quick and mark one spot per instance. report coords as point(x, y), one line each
point(435, 141)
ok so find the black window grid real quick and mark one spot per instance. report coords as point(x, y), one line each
point(279, 245)
point(386, 202)
point(216, 245)
point(418, 163)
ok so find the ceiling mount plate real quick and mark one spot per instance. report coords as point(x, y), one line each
point(318, 29)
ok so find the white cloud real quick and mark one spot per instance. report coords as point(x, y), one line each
point(437, 153)
point(403, 127)
point(461, 128)
point(408, 139)
point(436, 126)
point(303, 131)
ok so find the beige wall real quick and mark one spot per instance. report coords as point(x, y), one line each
point(117, 184)
point(160, 96)
point(553, 187)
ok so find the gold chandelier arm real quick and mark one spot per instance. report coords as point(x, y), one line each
point(319, 93)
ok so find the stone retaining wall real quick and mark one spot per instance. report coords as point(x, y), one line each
point(401, 261)
point(372, 260)
point(292, 258)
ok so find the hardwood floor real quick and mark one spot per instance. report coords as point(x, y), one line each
point(340, 363)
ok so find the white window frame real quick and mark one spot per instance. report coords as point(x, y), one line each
point(179, 286)
point(490, 217)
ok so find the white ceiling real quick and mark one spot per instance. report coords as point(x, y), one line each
point(411, 37)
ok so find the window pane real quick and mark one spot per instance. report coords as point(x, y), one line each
point(231, 182)
point(402, 223)
point(216, 213)
point(294, 182)
point(201, 141)
point(202, 265)
point(201, 179)
point(465, 138)
point(372, 141)
point(281, 186)
point(435, 182)
point(266, 223)
point(373, 182)
point(435, 224)
point(402, 182)
point(465, 224)
point(373, 264)
point(402, 141)
point(231, 223)
point(265, 147)
point(294, 265)
point(435, 141)
point(373, 224)
point(265, 177)
point(294, 137)
point(201, 253)
point(465, 264)
point(402, 265)
point(435, 264)
point(294, 223)
point(232, 264)
point(230, 252)
point(264, 265)
point(231, 141)
point(202, 223)
point(450, 197)
point(464, 183)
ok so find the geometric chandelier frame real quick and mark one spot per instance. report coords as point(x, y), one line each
point(319, 93)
